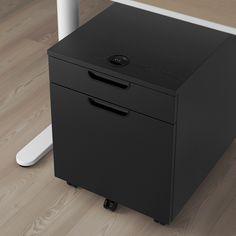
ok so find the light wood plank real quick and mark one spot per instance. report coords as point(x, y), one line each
point(9, 7)
point(215, 14)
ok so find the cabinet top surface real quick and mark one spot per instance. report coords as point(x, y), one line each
point(163, 51)
point(216, 14)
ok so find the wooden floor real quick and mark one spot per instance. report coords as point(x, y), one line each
point(215, 14)
point(217, 11)
point(32, 200)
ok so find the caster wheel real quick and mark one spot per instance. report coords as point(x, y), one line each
point(157, 221)
point(71, 184)
point(110, 205)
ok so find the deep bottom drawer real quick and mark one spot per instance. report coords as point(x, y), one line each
point(119, 154)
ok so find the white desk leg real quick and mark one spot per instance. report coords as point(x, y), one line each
point(36, 148)
point(67, 16)
point(68, 21)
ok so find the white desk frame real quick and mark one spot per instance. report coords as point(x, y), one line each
point(68, 21)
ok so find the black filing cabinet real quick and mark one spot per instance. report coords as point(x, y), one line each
point(142, 107)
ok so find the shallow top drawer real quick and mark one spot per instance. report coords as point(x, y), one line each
point(115, 90)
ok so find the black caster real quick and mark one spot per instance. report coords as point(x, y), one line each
point(110, 205)
point(71, 184)
point(161, 223)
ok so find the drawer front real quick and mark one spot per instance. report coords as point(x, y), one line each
point(112, 151)
point(132, 96)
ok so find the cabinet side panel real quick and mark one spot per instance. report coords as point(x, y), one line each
point(206, 123)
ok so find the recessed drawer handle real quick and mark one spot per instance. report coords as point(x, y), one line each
point(108, 107)
point(112, 81)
